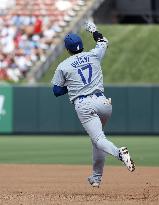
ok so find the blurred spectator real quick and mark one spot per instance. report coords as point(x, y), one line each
point(23, 42)
point(26, 34)
point(38, 26)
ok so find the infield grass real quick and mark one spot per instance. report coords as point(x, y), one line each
point(73, 149)
point(132, 55)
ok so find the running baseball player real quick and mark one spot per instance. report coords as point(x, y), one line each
point(81, 77)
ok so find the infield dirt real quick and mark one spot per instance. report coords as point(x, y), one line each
point(66, 184)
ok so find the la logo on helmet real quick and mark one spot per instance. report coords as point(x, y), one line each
point(78, 48)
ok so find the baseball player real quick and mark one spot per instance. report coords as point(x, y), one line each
point(81, 77)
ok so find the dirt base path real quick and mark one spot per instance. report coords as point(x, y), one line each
point(65, 185)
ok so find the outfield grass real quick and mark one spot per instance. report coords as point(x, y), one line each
point(132, 56)
point(73, 150)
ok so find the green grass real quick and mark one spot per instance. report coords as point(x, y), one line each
point(132, 56)
point(73, 150)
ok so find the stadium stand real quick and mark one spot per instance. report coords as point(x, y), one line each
point(29, 29)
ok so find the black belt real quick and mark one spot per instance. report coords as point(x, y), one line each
point(84, 96)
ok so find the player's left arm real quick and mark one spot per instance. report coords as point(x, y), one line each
point(58, 90)
point(58, 82)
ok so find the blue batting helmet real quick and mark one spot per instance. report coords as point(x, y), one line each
point(73, 42)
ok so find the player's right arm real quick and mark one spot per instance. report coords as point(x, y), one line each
point(102, 42)
point(101, 45)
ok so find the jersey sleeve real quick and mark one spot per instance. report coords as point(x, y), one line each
point(58, 78)
point(100, 49)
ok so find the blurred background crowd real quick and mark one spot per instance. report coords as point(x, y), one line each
point(28, 31)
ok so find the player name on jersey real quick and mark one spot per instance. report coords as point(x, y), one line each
point(80, 60)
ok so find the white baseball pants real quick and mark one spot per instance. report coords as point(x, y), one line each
point(93, 112)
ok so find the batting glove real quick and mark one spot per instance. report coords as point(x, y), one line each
point(98, 37)
point(90, 26)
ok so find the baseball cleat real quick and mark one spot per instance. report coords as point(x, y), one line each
point(124, 156)
point(94, 182)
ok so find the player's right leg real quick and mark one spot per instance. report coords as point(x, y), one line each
point(93, 126)
point(94, 129)
point(124, 156)
point(103, 108)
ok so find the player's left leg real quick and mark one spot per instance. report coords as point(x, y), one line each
point(98, 165)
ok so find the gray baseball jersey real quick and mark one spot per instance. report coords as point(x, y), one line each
point(82, 73)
